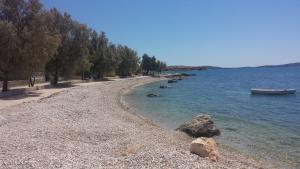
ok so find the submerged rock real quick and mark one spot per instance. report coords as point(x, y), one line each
point(163, 86)
point(200, 126)
point(206, 148)
point(230, 129)
point(172, 81)
point(152, 95)
point(187, 74)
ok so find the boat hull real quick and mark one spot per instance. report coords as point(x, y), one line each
point(273, 92)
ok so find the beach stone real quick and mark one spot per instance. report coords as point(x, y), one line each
point(200, 126)
point(206, 148)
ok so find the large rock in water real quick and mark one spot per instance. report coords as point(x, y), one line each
point(206, 148)
point(200, 126)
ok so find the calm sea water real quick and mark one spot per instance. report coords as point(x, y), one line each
point(265, 126)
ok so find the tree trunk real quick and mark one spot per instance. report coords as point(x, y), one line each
point(5, 83)
point(82, 75)
point(55, 79)
point(31, 81)
point(46, 76)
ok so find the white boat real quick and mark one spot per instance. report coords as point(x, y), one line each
point(273, 91)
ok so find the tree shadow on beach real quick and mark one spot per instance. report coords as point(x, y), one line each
point(20, 96)
point(22, 93)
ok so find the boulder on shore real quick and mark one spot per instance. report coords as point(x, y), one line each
point(206, 148)
point(200, 126)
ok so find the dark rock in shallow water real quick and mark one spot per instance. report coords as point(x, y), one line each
point(187, 74)
point(152, 95)
point(230, 129)
point(172, 81)
point(164, 86)
point(200, 126)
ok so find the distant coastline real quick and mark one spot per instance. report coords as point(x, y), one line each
point(184, 67)
point(283, 65)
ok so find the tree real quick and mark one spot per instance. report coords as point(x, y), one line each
point(8, 54)
point(85, 67)
point(26, 38)
point(161, 66)
point(73, 50)
point(146, 63)
point(152, 64)
point(103, 55)
point(43, 39)
point(113, 59)
point(99, 50)
point(129, 61)
point(80, 49)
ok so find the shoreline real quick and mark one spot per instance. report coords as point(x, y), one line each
point(86, 127)
point(128, 107)
point(135, 111)
point(226, 148)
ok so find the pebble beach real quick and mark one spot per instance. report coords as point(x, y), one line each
point(90, 126)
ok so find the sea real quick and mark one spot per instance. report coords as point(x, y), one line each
point(261, 126)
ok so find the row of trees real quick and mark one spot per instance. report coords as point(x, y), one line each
point(151, 64)
point(35, 40)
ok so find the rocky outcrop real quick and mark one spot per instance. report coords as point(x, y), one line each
point(200, 126)
point(206, 148)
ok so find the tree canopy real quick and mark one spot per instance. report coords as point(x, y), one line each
point(73, 50)
point(34, 40)
point(27, 38)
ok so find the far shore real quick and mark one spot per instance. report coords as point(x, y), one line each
point(88, 126)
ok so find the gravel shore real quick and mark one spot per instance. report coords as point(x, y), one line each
point(88, 127)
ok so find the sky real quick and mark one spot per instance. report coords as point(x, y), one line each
point(227, 33)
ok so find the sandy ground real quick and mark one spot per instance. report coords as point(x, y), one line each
point(88, 127)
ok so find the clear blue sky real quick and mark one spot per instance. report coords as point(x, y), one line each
point(229, 33)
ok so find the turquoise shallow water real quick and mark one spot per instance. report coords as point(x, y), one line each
point(265, 126)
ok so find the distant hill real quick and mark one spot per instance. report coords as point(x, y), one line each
point(283, 65)
point(182, 67)
point(186, 68)
point(213, 67)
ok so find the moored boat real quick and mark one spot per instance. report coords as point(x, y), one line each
point(273, 91)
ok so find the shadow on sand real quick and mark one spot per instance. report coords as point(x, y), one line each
point(21, 93)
